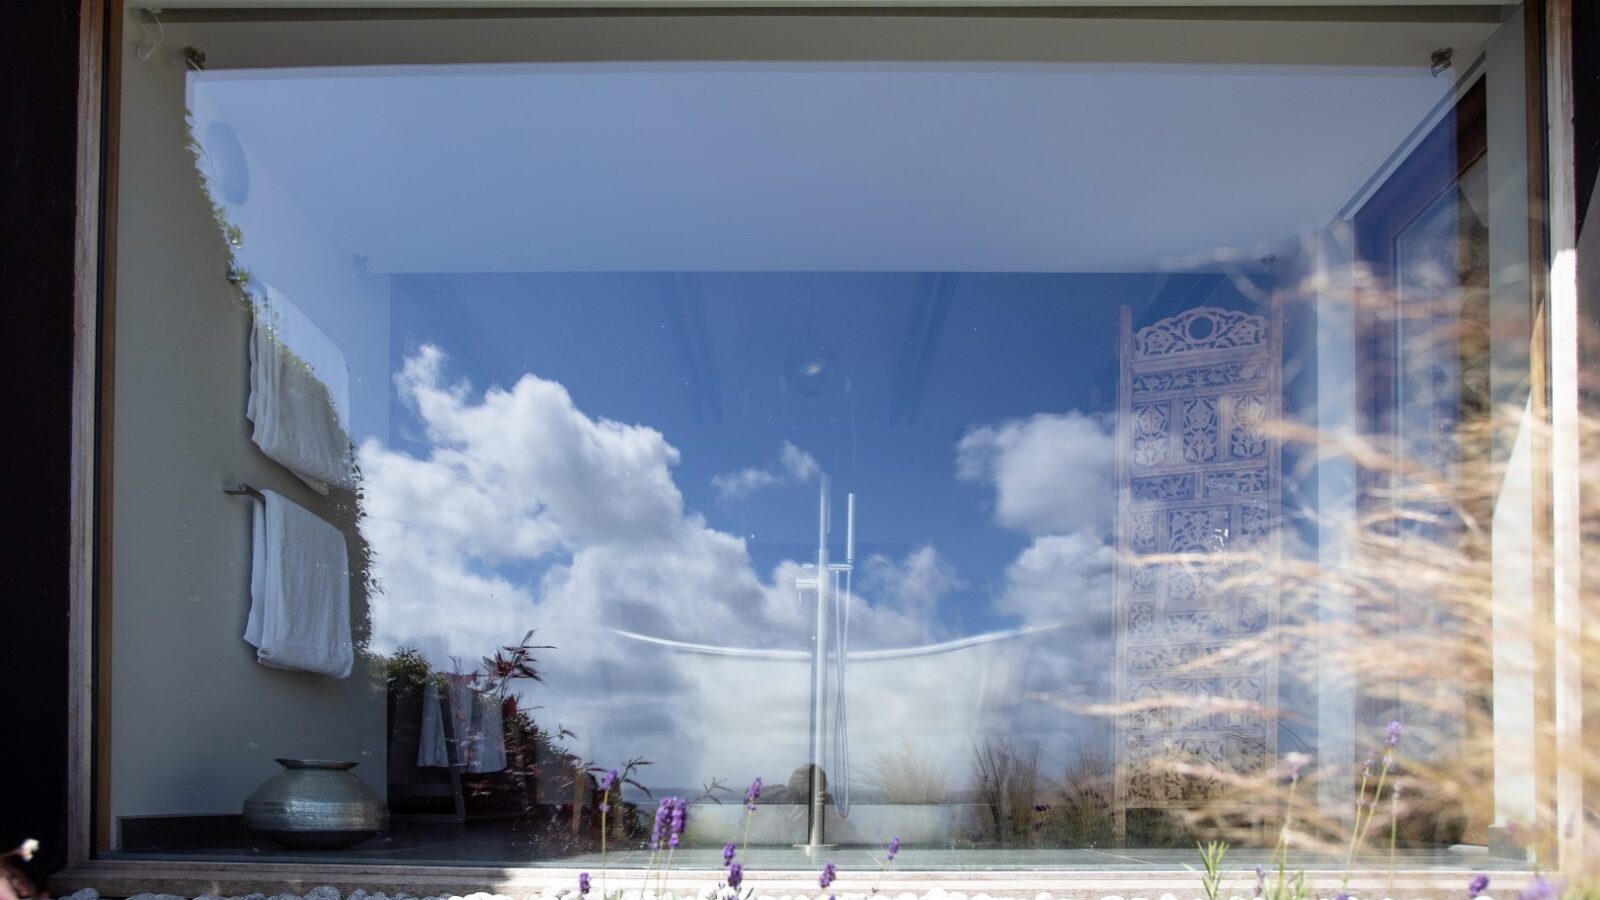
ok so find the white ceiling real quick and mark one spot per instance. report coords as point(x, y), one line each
point(839, 166)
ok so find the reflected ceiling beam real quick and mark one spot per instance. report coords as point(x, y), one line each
point(924, 326)
point(686, 314)
point(855, 656)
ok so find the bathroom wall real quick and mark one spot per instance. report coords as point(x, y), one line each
point(195, 722)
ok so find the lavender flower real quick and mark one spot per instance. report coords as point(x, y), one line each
point(1342, 895)
point(1541, 889)
point(583, 883)
point(727, 853)
point(1261, 881)
point(659, 828)
point(680, 812)
point(753, 794)
point(609, 781)
point(829, 873)
point(1393, 733)
point(1478, 884)
point(894, 847)
point(1372, 760)
point(735, 875)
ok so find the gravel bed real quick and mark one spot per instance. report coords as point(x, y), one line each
point(710, 893)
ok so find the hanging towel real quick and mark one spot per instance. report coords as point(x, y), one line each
point(299, 591)
point(299, 393)
point(475, 721)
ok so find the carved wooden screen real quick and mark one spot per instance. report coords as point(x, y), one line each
point(1198, 473)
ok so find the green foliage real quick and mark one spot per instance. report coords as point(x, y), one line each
point(1212, 856)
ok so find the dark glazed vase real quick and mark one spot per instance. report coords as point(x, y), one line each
point(315, 804)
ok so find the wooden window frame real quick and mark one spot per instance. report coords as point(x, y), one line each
point(1554, 373)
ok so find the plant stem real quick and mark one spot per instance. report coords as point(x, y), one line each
point(605, 806)
point(1282, 851)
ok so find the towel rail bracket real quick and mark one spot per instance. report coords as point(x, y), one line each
point(240, 489)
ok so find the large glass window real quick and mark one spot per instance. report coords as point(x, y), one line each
point(1042, 441)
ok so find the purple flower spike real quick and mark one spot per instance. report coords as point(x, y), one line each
point(753, 794)
point(829, 873)
point(583, 882)
point(1393, 733)
point(1478, 884)
point(894, 847)
point(1541, 889)
point(727, 853)
point(678, 815)
point(1342, 895)
point(735, 875)
point(658, 830)
point(610, 781)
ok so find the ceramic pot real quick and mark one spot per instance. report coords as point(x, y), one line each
point(315, 804)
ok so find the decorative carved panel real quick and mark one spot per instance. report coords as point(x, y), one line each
point(1199, 473)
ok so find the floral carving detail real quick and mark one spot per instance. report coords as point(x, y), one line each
point(1200, 427)
point(1256, 520)
point(1144, 580)
point(1142, 619)
point(1197, 530)
point(1150, 438)
point(1205, 328)
point(1252, 617)
point(1246, 439)
point(1143, 534)
point(1246, 481)
point(1200, 377)
point(1195, 623)
point(1193, 780)
point(1164, 487)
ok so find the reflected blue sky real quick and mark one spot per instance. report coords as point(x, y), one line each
point(877, 377)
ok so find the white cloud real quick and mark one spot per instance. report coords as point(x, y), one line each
point(1057, 575)
point(525, 512)
point(913, 585)
point(800, 465)
point(1052, 472)
point(1054, 477)
point(793, 466)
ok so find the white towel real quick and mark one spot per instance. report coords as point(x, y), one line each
point(299, 591)
point(475, 721)
point(299, 393)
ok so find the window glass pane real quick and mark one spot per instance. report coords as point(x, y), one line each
point(1043, 442)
